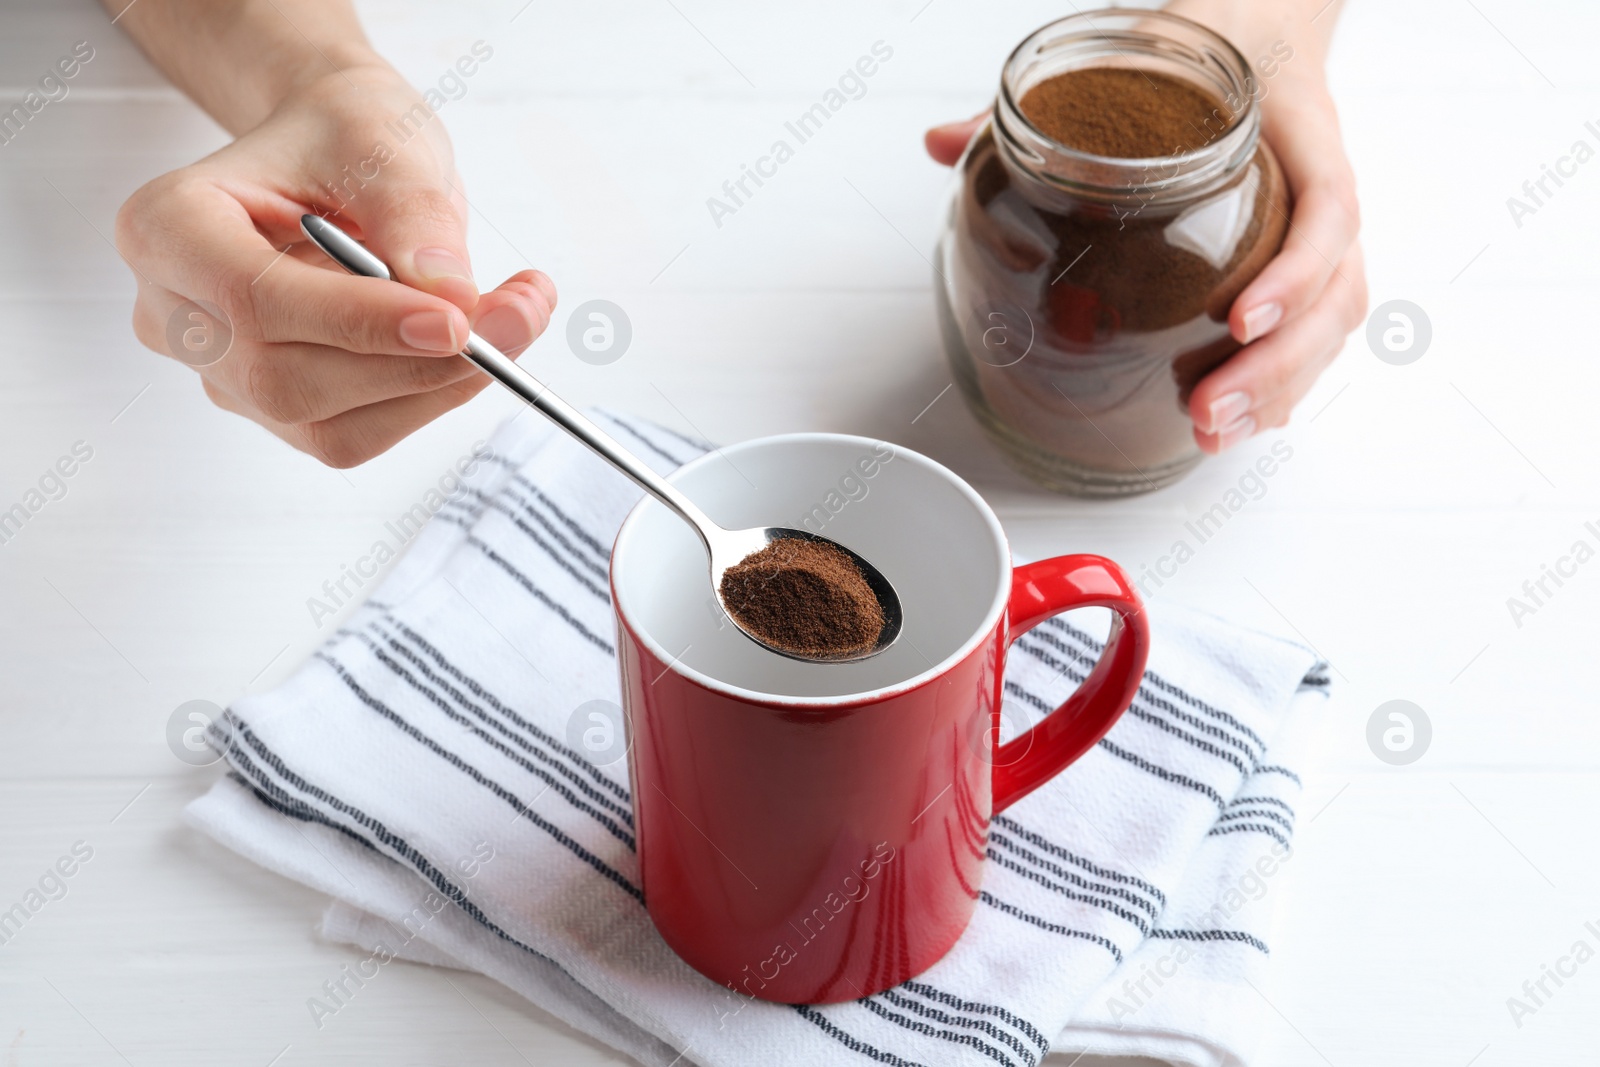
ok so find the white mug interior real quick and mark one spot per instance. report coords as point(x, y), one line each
point(928, 531)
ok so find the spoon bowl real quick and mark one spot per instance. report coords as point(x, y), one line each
point(728, 548)
point(724, 548)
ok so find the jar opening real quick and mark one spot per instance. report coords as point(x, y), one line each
point(1148, 41)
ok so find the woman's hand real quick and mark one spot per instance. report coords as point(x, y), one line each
point(339, 366)
point(1293, 318)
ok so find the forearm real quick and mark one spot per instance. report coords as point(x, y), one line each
point(238, 58)
point(1254, 26)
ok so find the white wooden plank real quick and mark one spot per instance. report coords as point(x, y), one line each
point(1419, 498)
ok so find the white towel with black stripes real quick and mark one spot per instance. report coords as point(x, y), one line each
point(417, 771)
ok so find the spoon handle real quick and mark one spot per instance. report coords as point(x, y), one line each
point(349, 254)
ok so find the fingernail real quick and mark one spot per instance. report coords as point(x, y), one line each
point(1258, 320)
point(1228, 409)
point(1232, 434)
point(438, 263)
point(506, 328)
point(431, 331)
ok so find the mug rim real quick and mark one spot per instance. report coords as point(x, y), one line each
point(981, 632)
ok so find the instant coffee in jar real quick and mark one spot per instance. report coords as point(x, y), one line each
point(1104, 221)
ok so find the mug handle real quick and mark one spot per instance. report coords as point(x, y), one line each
point(1039, 591)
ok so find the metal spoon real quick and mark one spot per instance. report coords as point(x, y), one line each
point(724, 548)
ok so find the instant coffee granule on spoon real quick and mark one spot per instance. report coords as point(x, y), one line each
point(805, 597)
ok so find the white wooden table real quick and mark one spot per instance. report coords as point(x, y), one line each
point(1419, 498)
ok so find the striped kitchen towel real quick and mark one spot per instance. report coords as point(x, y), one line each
point(419, 771)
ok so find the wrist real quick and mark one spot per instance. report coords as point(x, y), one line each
point(1260, 31)
point(311, 64)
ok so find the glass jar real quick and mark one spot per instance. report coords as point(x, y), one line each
point(1082, 297)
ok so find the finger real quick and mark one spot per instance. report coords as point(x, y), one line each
point(1322, 225)
point(516, 313)
point(190, 237)
point(353, 437)
point(541, 281)
point(153, 306)
point(1262, 382)
point(1272, 412)
point(946, 143)
point(296, 384)
point(414, 222)
point(1276, 410)
point(310, 253)
point(1319, 233)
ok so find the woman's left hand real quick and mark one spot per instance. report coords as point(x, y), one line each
point(1293, 319)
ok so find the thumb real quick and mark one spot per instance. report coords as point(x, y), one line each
point(946, 143)
point(420, 231)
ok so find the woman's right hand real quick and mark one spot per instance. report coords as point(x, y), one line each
point(339, 366)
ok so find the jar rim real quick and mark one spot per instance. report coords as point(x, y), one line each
point(1032, 148)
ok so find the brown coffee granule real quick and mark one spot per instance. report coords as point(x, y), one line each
point(808, 598)
point(1125, 113)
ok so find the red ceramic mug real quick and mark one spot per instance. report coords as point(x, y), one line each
point(810, 833)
